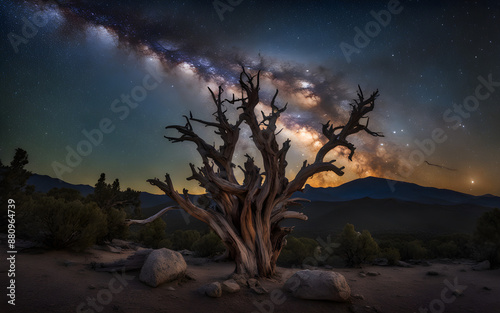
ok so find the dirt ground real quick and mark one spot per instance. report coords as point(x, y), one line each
point(62, 281)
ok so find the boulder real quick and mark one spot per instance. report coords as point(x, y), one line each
point(482, 266)
point(318, 285)
point(230, 286)
point(161, 266)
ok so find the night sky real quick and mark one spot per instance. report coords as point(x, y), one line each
point(120, 71)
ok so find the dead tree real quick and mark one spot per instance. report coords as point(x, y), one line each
point(248, 214)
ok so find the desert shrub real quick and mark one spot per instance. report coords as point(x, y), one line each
point(450, 246)
point(67, 194)
point(391, 254)
point(443, 249)
point(184, 239)
point(165, 243)
point(116, 227)
point(448, 249)
point(356, 248)
point(413, 250)
point(153, 233)
point(60, 224)
point(115, 203)
point(208, 245)
point(487, 237)
point(297, 250)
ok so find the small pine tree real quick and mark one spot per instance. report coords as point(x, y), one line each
point(487, 236)
point(115, 204)
point(184, 239)
point(153, 233)
point(208, 245)
point(356, 248)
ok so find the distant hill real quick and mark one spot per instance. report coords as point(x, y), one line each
point(380, 188)
point(376, 204)
point(44, 183)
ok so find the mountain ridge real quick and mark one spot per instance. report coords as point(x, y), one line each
point(369, 187)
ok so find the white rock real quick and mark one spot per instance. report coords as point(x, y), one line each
point(318, 285)
point(161, 266)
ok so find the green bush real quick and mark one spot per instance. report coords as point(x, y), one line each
point(153, 233)
point(487, 237)
point(356, 248)
point(165, 243)
point(184, 239)
point(60, 224)
point(447, 249)
point(413, 250)
point(297, 250)
point(67, 194)
point(116, 227)
point(208, 245)
point(391, 254)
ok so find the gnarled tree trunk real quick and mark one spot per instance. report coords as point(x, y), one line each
point(247, 215)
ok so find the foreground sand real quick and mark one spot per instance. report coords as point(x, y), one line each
point(61, 281)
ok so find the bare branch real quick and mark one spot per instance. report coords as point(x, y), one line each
point(337, 136)
point(288, 214)
point(150, 219)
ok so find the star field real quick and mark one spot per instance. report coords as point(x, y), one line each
point(130, 68)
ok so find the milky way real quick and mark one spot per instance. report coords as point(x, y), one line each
point(298, 49)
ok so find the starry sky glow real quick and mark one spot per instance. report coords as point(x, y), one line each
point(90, 85)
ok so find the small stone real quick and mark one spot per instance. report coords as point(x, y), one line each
point(259, 290)
point(190, 276)
point(358, 296)
point(68, 263)
point(171, 288)
point(362, 274)
point(213, 290)
point(372, 273)
point(482, 266)
point(230, 286)
point(403, 264)
point(486, 288)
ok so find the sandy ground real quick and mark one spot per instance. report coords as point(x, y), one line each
point(47, 282)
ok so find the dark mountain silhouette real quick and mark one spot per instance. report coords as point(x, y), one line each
point(44, 183)
point(380, 188)
point(376, 204)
